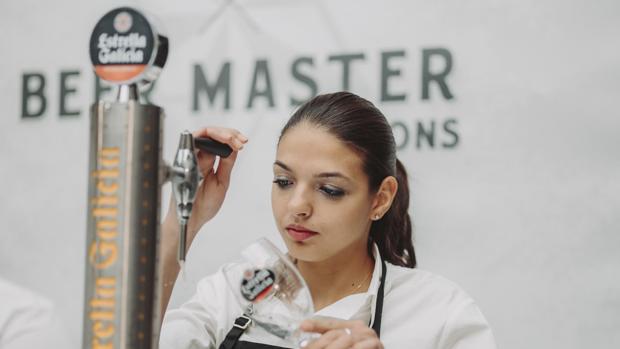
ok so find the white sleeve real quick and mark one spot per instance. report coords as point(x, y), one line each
point(466, 328)
point(32, 325)
point(200, 322)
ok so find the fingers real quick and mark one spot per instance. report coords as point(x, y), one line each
point(368, 343)
point(340, 334)
point(206, 161)
point(232, 137)
point(224, 169)
point(322, 325)
point(327, 339)
point(343, 339)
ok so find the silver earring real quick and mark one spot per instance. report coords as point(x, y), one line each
point(376, 217)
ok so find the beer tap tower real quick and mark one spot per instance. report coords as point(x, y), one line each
point(121, 306)
point(122, 302)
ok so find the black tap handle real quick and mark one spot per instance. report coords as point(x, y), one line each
point(212, 146)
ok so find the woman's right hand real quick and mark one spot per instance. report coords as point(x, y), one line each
point(212, 190)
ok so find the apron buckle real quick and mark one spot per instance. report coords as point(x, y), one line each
point(242, 322)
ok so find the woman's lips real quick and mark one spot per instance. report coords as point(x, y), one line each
point(300, 234)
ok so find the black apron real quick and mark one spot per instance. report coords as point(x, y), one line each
point(241, 324)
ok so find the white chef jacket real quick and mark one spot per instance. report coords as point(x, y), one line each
point(27, 320)
point(421, 310)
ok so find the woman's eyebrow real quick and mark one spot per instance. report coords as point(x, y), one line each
point(332, 174)
point(279, 163)
point(320, 175)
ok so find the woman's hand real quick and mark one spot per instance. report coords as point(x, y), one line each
point(212, 190)
point(209, 199)
point(341, 334)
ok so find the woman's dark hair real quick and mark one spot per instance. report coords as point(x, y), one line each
point(359, 124)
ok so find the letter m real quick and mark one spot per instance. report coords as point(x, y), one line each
point(221, 85)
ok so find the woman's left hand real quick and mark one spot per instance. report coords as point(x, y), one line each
point(341, 334)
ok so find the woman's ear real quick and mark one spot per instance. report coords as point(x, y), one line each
point(384, 198)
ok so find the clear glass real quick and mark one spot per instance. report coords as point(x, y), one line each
point(272, 291)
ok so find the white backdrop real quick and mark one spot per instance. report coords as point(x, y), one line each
point(518, 199)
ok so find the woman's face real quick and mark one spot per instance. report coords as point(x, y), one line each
point(320, 196)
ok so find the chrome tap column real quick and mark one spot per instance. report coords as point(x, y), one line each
point(122, 301)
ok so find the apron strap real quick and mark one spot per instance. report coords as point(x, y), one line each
point(376, 325)
point(241, 323)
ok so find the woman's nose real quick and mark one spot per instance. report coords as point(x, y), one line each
point(300, 204)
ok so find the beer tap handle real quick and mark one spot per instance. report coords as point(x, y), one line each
point(212, 146)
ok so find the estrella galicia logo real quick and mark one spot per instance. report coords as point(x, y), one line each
point(257, 283)
point(122, 45)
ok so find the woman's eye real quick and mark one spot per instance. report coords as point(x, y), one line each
point(282, 182)
point(332, 192)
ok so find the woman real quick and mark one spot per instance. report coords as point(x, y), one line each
point(340, 201)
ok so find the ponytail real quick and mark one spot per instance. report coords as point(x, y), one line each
point(393, 232)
